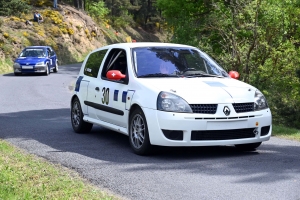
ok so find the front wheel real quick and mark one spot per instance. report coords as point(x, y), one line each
point(248, 147)
point(78, 124)
point(138, 133)
point(47, 70)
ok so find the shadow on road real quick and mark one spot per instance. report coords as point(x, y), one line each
point(53, 129)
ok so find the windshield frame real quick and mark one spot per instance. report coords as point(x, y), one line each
point(174, 56)
point(21, 55)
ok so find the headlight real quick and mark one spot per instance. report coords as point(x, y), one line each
point(260, 101)
point(17, 65)
point(172, 103)
point(39, 63)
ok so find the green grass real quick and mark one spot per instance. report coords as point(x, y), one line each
point(24, 176)
point(285, 132)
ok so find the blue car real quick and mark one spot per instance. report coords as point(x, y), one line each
point(36, 59)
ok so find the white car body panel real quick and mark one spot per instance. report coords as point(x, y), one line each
point(143, 92)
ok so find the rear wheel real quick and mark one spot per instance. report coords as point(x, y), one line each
point(56, 67)
point(78, 124)
point(138, 133)
point(248, 147)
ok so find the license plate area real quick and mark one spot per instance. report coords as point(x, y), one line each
point(27, 67)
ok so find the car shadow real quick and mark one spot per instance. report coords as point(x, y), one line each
point(48, 132)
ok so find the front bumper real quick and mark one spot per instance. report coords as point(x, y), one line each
point(191, 129)
point(31, 69)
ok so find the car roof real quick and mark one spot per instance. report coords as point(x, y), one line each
point(146, 44)
point(37, 47)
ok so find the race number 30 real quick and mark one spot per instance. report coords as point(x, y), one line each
point(105, 98)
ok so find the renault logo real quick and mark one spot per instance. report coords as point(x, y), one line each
point(226, 110)
point(255, 131)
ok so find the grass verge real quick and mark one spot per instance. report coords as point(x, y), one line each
point(24, 176)
point(285, 132)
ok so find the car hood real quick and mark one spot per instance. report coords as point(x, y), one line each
point(204, 90)
point(29, 60)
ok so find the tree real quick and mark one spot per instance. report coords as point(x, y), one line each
point(13, 7)
point(79, 4)
point(258, 38)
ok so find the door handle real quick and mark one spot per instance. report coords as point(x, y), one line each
point(97, 88)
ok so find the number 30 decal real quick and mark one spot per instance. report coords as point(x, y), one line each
point(105, 98)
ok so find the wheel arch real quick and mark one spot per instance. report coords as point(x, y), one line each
point(132, 108)
point(72, 99)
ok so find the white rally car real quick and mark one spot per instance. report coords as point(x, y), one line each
point(167, 95)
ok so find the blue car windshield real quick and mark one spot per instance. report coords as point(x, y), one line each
point(174, 62)
point(33, 53)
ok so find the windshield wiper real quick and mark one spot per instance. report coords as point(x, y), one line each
point(157, 75)
point(202, 75)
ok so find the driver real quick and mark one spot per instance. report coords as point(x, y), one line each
point(167, 67)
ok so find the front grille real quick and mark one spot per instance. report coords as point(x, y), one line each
point(265, 130)
point(223, 134)
point(204, 108)
point(243, 107)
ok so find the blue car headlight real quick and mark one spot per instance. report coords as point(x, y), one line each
point(40, 64)
point(172, 103)
point(16, 65)
point(260, 101)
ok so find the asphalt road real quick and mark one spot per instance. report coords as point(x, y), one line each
point(35, 116)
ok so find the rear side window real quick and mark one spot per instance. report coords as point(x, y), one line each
point(93, 63)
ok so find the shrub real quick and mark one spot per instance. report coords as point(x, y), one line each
point(7, 48)
point(87, 31)
point(25, 34)
point(78, 27)
point(55, 31)
point(13, 7)
point(6, 35)
point(16, 19)
point(40, 3)
point(55, 16)
point(70, 31)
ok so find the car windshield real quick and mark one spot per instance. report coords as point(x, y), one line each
point(33, 53)
point(174, 62)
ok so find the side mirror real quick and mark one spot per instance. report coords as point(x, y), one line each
point(234, 74)
point(114, 75)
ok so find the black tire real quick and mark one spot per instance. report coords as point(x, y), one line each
point(47, 71)
point(248, 147)
point(79, 126)
point(55, 70)
point(138, 133)
point(17, 74)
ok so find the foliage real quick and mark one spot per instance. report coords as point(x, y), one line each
point(13, 7)
point(286, 132)
point(6, 35)
point(40, 3)
point(55, 31)
point(55, 16)
point(260, 39)
point(97, 10)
